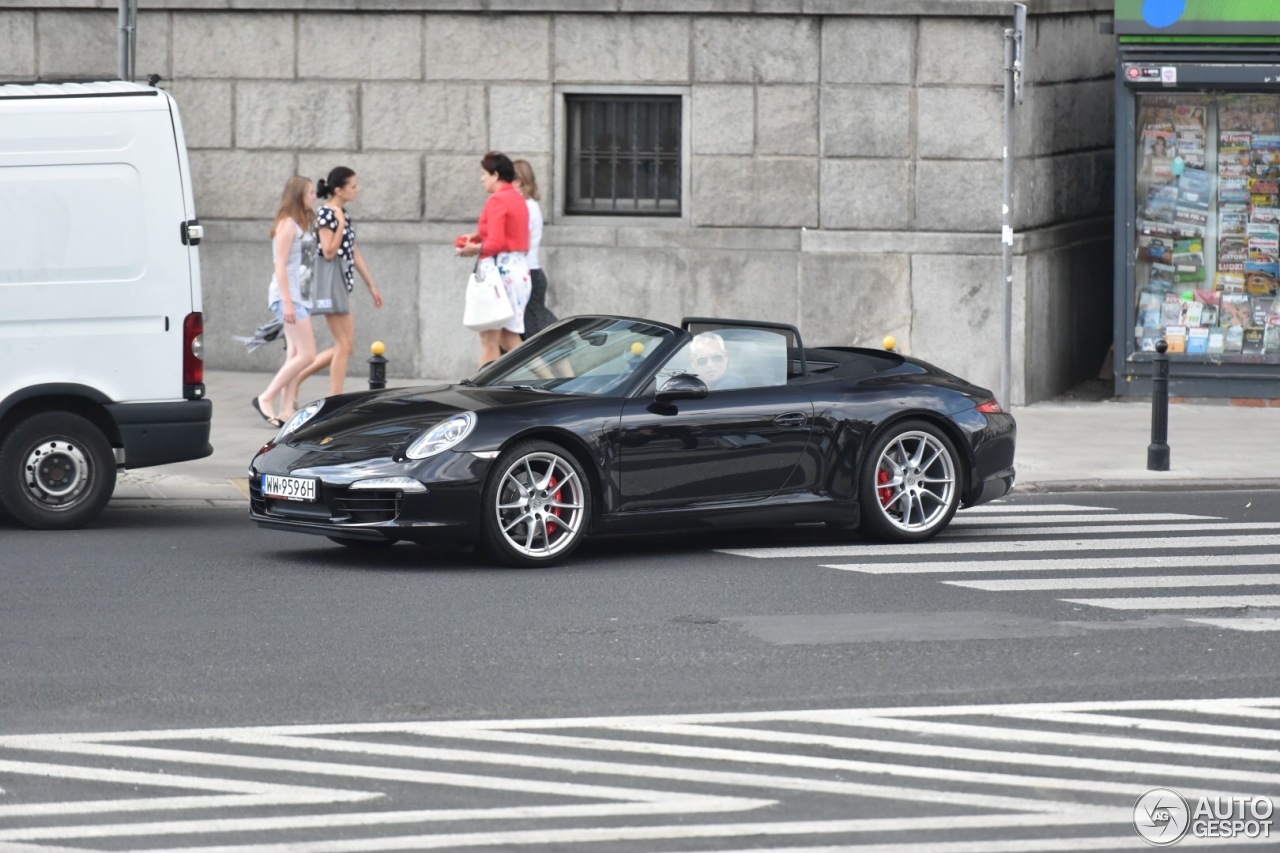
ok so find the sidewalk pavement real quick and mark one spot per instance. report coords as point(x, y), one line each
point(1063, 445)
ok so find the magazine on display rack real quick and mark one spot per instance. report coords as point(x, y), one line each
point(1207, 271)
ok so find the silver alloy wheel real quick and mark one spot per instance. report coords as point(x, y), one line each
point(915, 481)
point(57, 474)
point(540, 506)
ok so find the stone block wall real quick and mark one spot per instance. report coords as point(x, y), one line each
point(843, 165)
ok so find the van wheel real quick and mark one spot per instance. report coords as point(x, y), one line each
point(57, 471)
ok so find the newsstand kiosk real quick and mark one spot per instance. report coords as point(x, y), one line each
point(1198, 196)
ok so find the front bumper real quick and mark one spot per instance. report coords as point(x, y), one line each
point(448, 509)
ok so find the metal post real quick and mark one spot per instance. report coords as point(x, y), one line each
point(1013, 42)
point(1006, 228)
point(133, 40)
point(127, 24)
point(122, 26)
point(1158, 450)
point(377, 367)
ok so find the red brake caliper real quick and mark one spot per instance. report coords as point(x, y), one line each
point(551, 484)
point(885, 493)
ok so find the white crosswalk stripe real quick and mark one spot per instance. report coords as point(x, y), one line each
point(1012, 777)
point(1162, 561)
point(1005, 509)
point(1022, 543)
point(1138, 582)
point(1101, 525)
point(990, 520)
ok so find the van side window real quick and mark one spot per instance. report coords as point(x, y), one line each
point(72, 223)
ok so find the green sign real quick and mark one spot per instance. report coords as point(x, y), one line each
point(1180, 18)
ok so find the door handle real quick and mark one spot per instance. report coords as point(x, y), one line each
point(791, 419)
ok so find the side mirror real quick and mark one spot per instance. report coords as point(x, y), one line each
point(682, 386)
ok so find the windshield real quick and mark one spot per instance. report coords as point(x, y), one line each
point(587, 355)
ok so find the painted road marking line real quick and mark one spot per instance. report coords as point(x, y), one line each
point(1095, 816)
point(965, 547)
point(124, 745)
point(1087, 741)
point(1244, 623)
point(358, 819)
point(1059, 564)
point(643, 771)
point(1122, 582)
point(1011, 845)
point(853, 766)
point(997, 508)
point(355, 771)
point(1180, 602)
point(448, 728)
point(236, 794)
point(1126, 767)
point(1105, 529)
point(963, 519)
point(1153, 724)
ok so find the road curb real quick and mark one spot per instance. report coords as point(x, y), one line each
point(1179, 485)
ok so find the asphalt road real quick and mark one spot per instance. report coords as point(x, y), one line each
point(179, 619)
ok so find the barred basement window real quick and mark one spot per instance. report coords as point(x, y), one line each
point(623, 155)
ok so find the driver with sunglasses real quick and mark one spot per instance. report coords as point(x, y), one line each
point(709, 361)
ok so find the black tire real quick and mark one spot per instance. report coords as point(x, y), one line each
point(363, 544)
point(910, 483)
point(535, 507)
point(57, 471)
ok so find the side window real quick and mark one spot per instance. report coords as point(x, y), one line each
point(624, 155)
point(72, 223)
point(732, 358)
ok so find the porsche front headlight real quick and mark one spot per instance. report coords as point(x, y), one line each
point(442, 436)
point(299, 418)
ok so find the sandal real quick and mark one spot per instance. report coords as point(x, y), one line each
point(257, 407)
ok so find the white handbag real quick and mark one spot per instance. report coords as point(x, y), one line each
point(488, 306)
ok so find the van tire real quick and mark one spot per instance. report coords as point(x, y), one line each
point(73, 489)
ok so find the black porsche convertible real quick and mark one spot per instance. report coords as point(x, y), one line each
point(603, 425)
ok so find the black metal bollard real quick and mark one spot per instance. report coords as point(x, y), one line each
point(377, 367)
point(1158, 450)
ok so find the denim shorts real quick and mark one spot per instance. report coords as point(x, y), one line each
point(300, 308)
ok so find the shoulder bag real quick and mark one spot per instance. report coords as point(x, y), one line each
point(329, 286)
point(488, 306)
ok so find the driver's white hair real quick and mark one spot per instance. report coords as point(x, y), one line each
point(709, 337)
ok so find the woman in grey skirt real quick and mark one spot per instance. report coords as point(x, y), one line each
point(537, 316)
point(338, 242)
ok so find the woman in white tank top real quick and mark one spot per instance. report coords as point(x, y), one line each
point(293, 243)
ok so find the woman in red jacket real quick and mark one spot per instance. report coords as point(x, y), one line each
point(502, 240)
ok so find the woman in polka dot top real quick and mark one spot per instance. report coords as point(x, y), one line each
point(338, 242)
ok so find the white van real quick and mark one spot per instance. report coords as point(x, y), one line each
point(100, 314)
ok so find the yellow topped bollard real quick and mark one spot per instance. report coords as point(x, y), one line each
point(377, 367)
point(890, 342)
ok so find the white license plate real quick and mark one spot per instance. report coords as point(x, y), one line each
point(288, 488)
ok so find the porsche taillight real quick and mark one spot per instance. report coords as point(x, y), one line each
point(991, 407)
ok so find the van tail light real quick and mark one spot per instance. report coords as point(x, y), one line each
point(193, 356)
point(991, 407)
